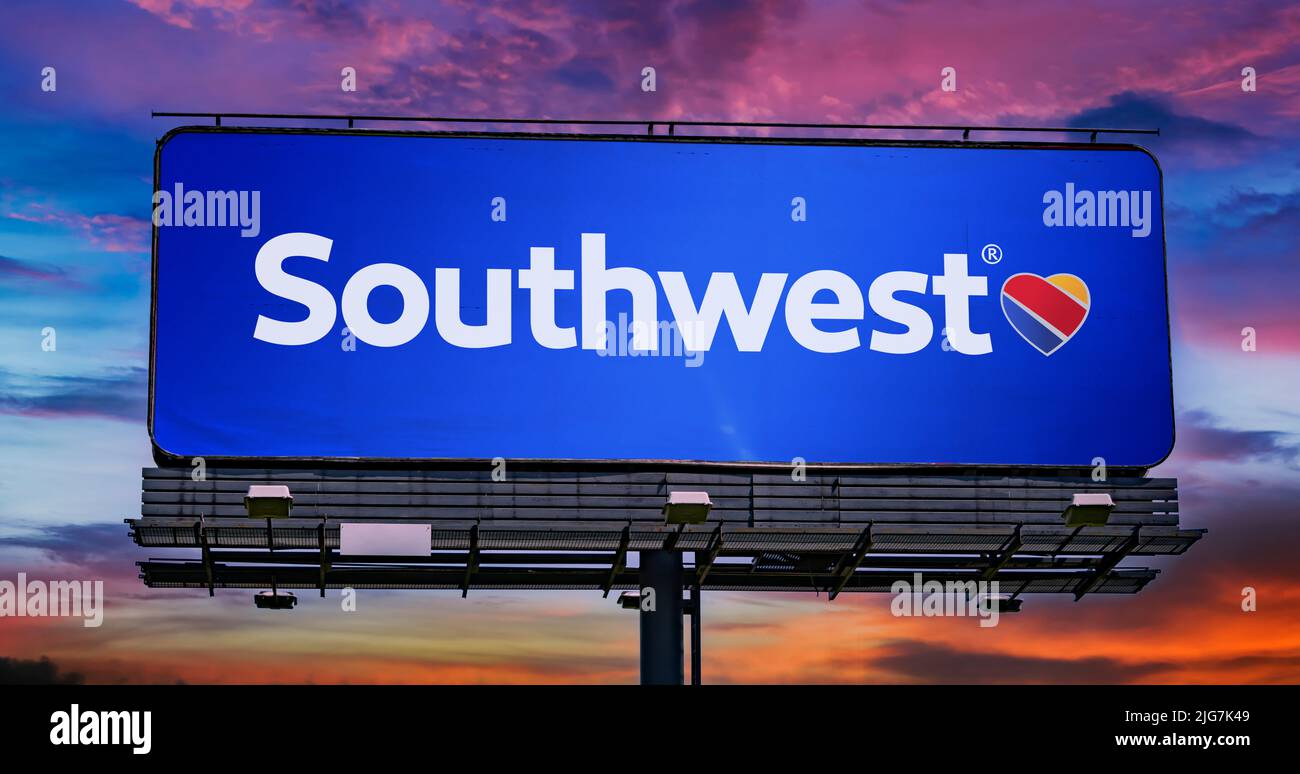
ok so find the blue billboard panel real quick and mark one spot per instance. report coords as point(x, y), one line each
point(421, 296)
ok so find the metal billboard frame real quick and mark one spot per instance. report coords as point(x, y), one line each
point(165, 457)
point(573, 524)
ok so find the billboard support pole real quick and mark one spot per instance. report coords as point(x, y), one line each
point(695, 634)
point(661, 627)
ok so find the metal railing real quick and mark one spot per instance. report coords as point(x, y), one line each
point(351, 119)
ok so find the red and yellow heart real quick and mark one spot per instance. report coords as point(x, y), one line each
point(1045, 311)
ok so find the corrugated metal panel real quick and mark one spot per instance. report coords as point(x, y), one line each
point(748, 498)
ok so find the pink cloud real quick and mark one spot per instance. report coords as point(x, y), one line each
point(765, 59)
point(108, 231)
point(183, 13)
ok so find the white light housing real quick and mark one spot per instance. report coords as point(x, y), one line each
point(268, 501)
point(687, 507)
point(1090, 509)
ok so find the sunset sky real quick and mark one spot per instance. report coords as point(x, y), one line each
point(75, 179)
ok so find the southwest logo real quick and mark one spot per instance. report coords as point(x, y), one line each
point(1046, 312)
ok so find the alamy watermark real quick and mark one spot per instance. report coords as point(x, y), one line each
point(1082, 208)
point(637, 338)
point(91, 727)
point(53, 599)
point(179, 207)
point(932, 598)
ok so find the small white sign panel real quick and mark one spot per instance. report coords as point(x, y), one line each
point(384, 539)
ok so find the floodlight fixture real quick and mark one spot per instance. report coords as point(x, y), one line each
point(687, 507)
point(1090, 509)
point(268, 501)
point(1005, 604)
point(630, 600)
point(274, 600)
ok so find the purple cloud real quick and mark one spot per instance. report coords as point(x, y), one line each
point(1201, 438)
point(933, 663)
point(15, 270)
point(1232, 266)
point(104, 549)
point(1147, 111)
point(121, 394)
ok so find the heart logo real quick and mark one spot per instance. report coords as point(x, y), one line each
point(1046, 312)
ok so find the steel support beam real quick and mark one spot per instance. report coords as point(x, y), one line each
point(620, 560)
point(1004, 556)
point(471, 563)
point(201, 535)
point(849, 565)
point(324, 556)
point(702, 567)
point(1107, 564)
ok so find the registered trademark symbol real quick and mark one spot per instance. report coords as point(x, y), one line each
point(991, 253)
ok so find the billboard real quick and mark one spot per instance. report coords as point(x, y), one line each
point(427, 296)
